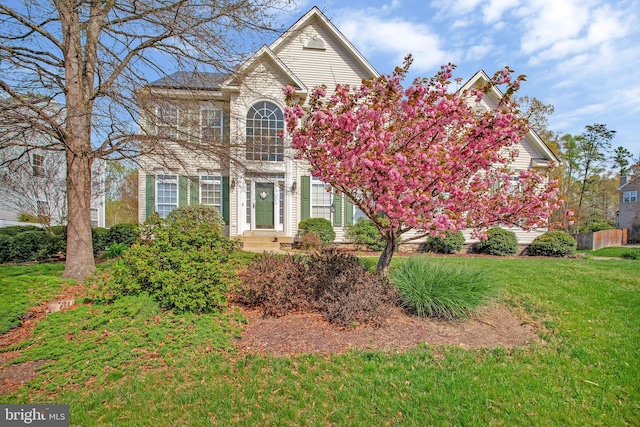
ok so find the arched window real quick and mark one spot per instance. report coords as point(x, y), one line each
point(265, 125)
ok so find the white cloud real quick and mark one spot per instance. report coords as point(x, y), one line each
point(494, 10)
point(395, 37)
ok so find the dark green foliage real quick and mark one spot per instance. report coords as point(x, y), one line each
point(14, 230)
point(115, 250)
point(277, 284)
point(365, 232)
point(27, 245)
point(553, 243)
point(441, 291)
point(499, 242)
point(330, 282)
point(592, 227)
point(125, 233)
point(320, 226)
point(185, 267)
point(99, 239)
point(197, 214)
point(5, 247)
point(631, 254)
point(53, 244)
point(450, 243)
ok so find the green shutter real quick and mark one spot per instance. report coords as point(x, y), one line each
point(348, 211)
point(225, 199)
point(305, 197)
point(151, 195)
point(194, 190)
point(183, 184)
point(337, 212)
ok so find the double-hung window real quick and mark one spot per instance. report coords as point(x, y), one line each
point(211, 123)
point(166, 194)
point(321, 200)
point(629, 196)
point(37, 164)
point(167, 122)
point(211, 191)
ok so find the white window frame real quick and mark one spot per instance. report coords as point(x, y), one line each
point(165, 129)
point(316, 182)
point(211, 180)
point(630, 196)
point(163, 180)
point(264, 143)
point(211, 126)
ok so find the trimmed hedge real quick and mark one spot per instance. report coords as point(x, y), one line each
point(450, 243)
point(320, 226)
point(553, 243)
point(124, 233)
point(499, 242)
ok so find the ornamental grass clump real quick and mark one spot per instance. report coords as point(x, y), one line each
point(441, 291)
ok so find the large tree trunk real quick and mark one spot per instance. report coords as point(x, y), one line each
point(384, 262)
point(80, 262)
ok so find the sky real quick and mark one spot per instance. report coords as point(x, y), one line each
point(581, 56)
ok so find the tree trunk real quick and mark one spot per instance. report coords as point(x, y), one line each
point(387, 254)
point(80, 262)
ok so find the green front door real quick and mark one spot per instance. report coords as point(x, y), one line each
point(264, 205)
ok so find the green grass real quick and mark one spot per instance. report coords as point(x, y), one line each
point(23, 287)
point(611, 251)
point(132, 365)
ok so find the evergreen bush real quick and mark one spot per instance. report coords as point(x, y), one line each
point(125, 233)
point(99, 239)
point(321, 226)
point(197, 214)
point(6, 242)
point(553, 243)
point(499, 242)
point(186, 266)
point(450, 243)
point(364, 232)
point(26, 246)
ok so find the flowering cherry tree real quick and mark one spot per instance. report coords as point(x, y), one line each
point(420, 159)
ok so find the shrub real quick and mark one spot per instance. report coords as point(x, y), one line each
point(186, 267)
point(553, 243)
point(197, 214)
point(115, 250)
point(450, 243)
point(27, 245)
point(125, 233)
point(631, 254)
point(6, 242)
point(311, 241)
point(320, 226)
point(14, 230)
point(365, 232)
point(99, 239)
point(277, 284)
point(52, 244)
point(345, 292)
point(441, 291)
point(499, 242)
point(329, 282)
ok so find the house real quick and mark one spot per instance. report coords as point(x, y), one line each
point(267, 192)
point(629, 213)
point(33, 179)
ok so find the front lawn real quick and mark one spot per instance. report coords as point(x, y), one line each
point(132, 364)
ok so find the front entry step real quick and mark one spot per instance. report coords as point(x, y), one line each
point(263, 240)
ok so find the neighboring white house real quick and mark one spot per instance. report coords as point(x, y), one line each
point(33, 181)
point(271, 192)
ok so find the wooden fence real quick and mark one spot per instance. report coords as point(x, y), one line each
point(601, 239)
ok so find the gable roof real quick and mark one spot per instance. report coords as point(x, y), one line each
point(629, 181)
point(496, 94)
point(316, 14)
point(266, 52)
